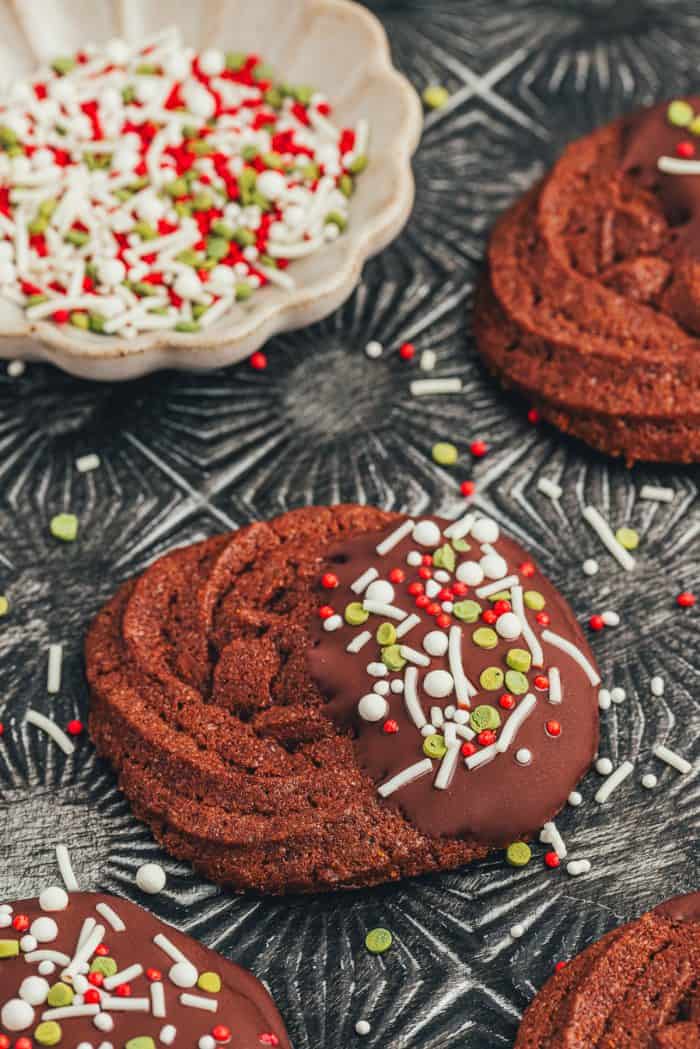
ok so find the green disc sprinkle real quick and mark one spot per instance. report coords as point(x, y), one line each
point(48, 1033)
point(679, 113)
point(9, 948)
point(142, 1041)
point(392, 658)
point(386, 634)
point(516, 682)
point(461, 545)
point(444, 557)
point(445, 454)
point(491, 678)
point(628, 538)
point(533, 599)
point(210, 982)
point(694, 126)
point(378, 940)
point(483, 717)
point(60, 995)
point(435, 96)
point(467, 611)
point(485, 637)
point(519, 659)
point(4, 605)
point(355, 614)
point(106, 966)
point(502, 595)
point(65, 527)
point(518, 854)
point(434, 746)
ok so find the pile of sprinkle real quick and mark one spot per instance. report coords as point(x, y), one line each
point(153, 187)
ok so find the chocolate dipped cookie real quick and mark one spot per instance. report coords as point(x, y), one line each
point(341, 697)
point(87, 969)
point(590, 305)
point(637, 988)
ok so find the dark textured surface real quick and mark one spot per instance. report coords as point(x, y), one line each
point(183, 457)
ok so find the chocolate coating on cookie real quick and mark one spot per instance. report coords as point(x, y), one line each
point(242, 1009)
point(637, 988)
point(506, 797)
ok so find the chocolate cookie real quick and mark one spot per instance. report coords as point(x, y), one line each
point(86, 969)
point(342, 697)
point(637, 988)
point(591, 303)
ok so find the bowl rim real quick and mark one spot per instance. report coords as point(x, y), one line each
point(81, 353)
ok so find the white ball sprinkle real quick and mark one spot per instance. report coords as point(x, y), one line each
point(206, 1042)
point(5, 920)
point(28, 943)
point(438, 683)
point(53, 898)
point(517, 931)
point(6, 908)
point(470, 572)
point(604, 699)
point(435, 643)
point(441, 575)
point(212, 61)
point(380, 590)
point(16, 1015)
point(460, 717)
point(610, 618)
point(188, 285)
point(649, 780)
point(508, 626)
point(377, 669)
point(381, 688)
point(372, 707)
point(103, 1022)
point(590, 566)
point(604, 766)
point(118, 52)
point(272, 185)
point(397, 685)
point(16, 368)
point(618, 695)
point(493, 566)
point(34, 990)
point(362, 1028)
point(427, 730)
point(575, 798)
point(333, 623)
point(577, 867)
point(426, 533)
point(658, 686)
point(413, 558)
point(428, 360)
point(523, 756)
point(183, 974)
point(46, 968)
point(485, 530)
point(374, 349)
point(150, 878)
point(44, 930)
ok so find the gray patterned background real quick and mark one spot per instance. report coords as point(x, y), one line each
point(184, 457)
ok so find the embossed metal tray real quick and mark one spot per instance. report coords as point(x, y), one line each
point(185, 456)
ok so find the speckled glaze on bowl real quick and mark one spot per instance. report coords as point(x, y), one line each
point(336, 45)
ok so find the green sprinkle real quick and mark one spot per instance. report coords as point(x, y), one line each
point(502, 595)
point(247, 178)
point(142, 1041)
point(267, 260)
point(34, 300)
point(65, 527)
point(176, 188)
point(147, 69)
point(491, 678)
point(4, 605)
point(444, 557)
point(38, 225)
point(217, 248)
point(628, 538)
point(187, 326)
point(244, 237)
point(392, 658)
point(263, 71)
point(485, 637)
point(250, 152)
point(15, 151)
point(303, 93)
point(359, 164)
point(145, 230)
point(48, 1033)
point(59, 995)
point(128, 94)
point(434, 746)
point(96, 322)
point(106, 966)
point(467, 611)
point(377, 941)
point(243, 291)
point(9, 948)
point(694, 126)
point(8, 137)
point(334, 218)
point(445, 454)
point(461, 545)
point(210, 982)
point(518, 854)
point(355, 614)
point(534, 599)
point(516, 682)
point(79, 237)
point(435, 96)
point(62, 66)
point(484, 717)
point(142, 288)
point(189, 257)
point(222, 229)
point(346, 185)
point(124, 194)
point(235, 60)
point(310, 172)
point(679, 113)
point(273, 160)
point(519, 659)
point(47, 207)
point(386, 634)
point(198, 310)
point(80, 320)
point(183, 209)
point(273, 97)
point(202, 201)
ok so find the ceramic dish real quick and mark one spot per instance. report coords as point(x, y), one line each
point(334, 44)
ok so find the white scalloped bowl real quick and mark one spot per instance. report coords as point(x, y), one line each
point(336, 45)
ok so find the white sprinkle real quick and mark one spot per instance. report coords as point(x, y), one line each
point(359, 641)
point(550, 834)
point(47, 956)
point(84, 952)
point(428, 360)
point(657, 493)
point(51, 729)
point(437, 718)
point(408, 624)
point(332, 623)
point(397, 686)
point(86, 463)
point(461, 527)
point(170, 949)
point(373, 707)
point(395, 537)
point(85, 930)
point(604, 699)
point(374, 349)
point(53, 677)
point(66, 869)
point(447, 768)
point(150, 877)
point(678, 166)
point(590, 566)
point(578, 867)
point(523, 756)
point(498, 584)
point(516, 931)
point(463, 686)
point(549, 488)
point(377, 669)
point(126, 1005)
point(602, 529)
point(464, 732)
point(428, 387)
point(449, 731)
point(130, 973)
point(414, 558)
point(672, 759)
point(516, 597)
point(378, 608)
point(575, 799)
point(610, 618)
point(197, 1001)
point(362, 1028)
point(363, 581)
point(103, 1022)
point(412, 656)
point(110, 916)
point(613, 781)
point(658, 686)
point(15, 369)
point(571, 650)
point(618, 695)
point(167, 1034)
point(604, 766)
point(555, 693)
point(406, 776)
point(649, 780)
point(514, 722)
point(68, 1012)
point(482, 757)
point(410, 695)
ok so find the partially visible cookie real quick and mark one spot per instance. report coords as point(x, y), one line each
point(86, 969)
point(637, 988)
point(590, 307)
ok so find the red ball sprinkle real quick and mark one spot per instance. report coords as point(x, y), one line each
point(397, 575)
point(489, 616)
point(467, 488)
point(551, 859)
point(433, 609)
point(459, 589)
point(559, 966)
point(2, 729)
point(407, 351)
point(541, 681)
point(258, 361)
point(478, 449)
point(427, 560)
point(391, 727)
point(425, 573)
point(23, 1043)
point(123, 990)
point(507, 701)
point(329, 581)
point(269, 1039)
point(92, 996)
point(501, 607)
point(596, 622)
point(20, 922)
point(415, 588)
point(154, 975)
point(543, 618)
point(221, 1033)
point(325, 612)
point(468, 749)
point(685, 149)
point(102, 950)
point(553, 728)
point(533, 416)
point(445, 594)
point(422, 601)
point(486, 737)
point(4, 1042)
point(96, 979)
point(686, 599)
point(74, 727)
point(443, 621)
point(527, 569)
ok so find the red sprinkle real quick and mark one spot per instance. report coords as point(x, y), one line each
point(415, 588)
point(397, 575)
point(20, 922)
point(391, 727)
point(467, 488)
point(551, 859)
point(330, 581)
point(559, 966)
point(427, 560)
point(4, 1042)
point(325, 612)
point(507, 701)
point(527, 569)
point(486, 737)
point(221, 1033)
point(2, 732)
point(533, 416)
point(478, 449)
point(445, 594)
point(407, 351)
point(443, 620)
point(74, 727)
point(96, 979)
point(425, 573)
point(686, 599)
point(154, 975)
point(433, 609)
point(543, 618)
point(102, 950)
point(553, 728)
point(541, 681)
point(23, 1043)
point(489, 616)
point(270, 1039)
point(123, 990)
point(422, 601)
point(92, 996)
point(685, 149)
point(61, 316)
point(468, 749)
point(596, 622)
point(459, 589)
point(501, 607)
point(258, 361)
